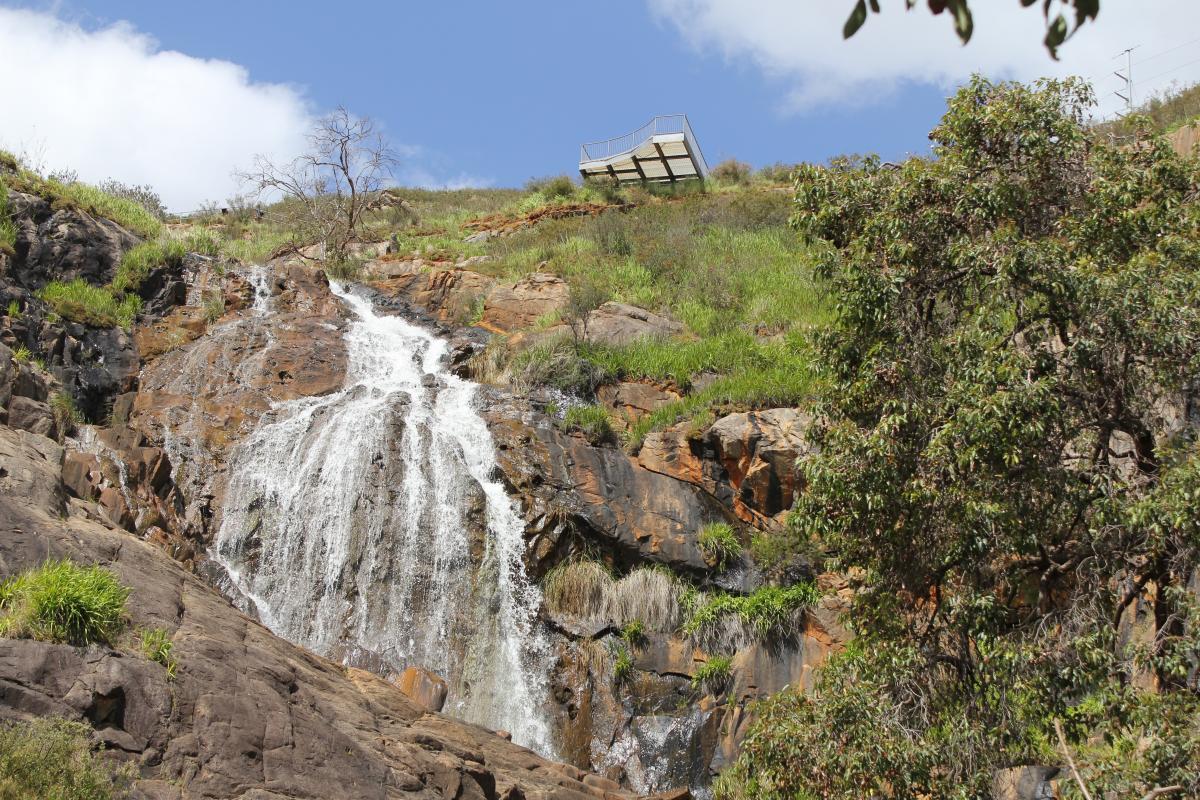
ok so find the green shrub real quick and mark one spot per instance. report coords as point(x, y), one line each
point(622, 668)
point(63, 602)
point(592, 421)
point(156, 645)
point(50, 758)
point(97, 306)
point(137, 264)
point(553, 188)
point(719, 544)
point(713, 675)
point(66, 413)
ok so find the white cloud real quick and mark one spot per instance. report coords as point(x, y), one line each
point(110, 103)
point(799, 42)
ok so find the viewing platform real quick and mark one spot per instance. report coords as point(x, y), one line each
point(664, 150)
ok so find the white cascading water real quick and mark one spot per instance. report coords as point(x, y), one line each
point(349, 523)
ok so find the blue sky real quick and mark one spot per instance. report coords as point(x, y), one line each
point(492, 93)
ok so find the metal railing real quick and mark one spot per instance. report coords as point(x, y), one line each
point(662, 124)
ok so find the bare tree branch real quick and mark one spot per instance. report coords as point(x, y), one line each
point(1062, 742)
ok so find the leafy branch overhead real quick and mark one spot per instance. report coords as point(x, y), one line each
point(1058, 28)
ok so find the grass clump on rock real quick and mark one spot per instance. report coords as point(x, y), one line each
point(730, 622)
point(591, 420)
point(712, 675)
point(138, 262)
point(53, 758)
point(719, 543)
point(98, 306)
point(156, 645)
point(61, 601)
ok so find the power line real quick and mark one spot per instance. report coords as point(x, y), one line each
point(1127, 77)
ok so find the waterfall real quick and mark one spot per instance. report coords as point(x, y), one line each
point(367, 524)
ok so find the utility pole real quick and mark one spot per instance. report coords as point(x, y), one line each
point(1127, 77)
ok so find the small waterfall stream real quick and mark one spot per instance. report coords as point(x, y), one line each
point(367, 524)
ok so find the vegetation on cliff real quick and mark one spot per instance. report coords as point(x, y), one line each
point(1003, 461)
point(61, 601)
point(54, 759)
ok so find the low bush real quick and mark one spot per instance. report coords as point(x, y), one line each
point(54, 759)
point(144, 195)
point(559, 365)
point(592, 421)
point(713, 675)
point(97, 306)
point(62, 601)
point(732, 171)
point(719, 544)
point(552, 188)
point(156, 645)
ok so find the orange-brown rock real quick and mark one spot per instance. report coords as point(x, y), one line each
point(533, 298)
point(629, 400)
point(423, 687)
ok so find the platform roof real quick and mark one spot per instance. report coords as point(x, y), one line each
point(662, 150)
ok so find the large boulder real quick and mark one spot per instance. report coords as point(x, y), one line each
point(533, 299)
point(746, 460)
point(619, 323)
point(629, 400)
point(64, 244)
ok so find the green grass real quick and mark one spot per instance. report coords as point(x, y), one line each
point(622, 668)
point(156, 645)
point(62, 601)
point(98, 306)
point(713, 675)
point(8, 229)
point(54, 759)
point(22, 354)
point(14, 309)
point(633, 633)
point(719, 544)
point(593, 421)
point(768, 612)
point(138, 262)
point(129, 214)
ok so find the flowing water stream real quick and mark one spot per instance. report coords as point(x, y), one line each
point(367, 525)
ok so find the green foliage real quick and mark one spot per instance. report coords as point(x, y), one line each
point(344, 269)
point(622, 668)
point(62, 601)
point(138, 262)
point(50, 758)
point(127, 213)
point(633, 633)
point(156, 645)
point(1058, 29)
point(719, 544)
point(22, 354)
point(990, 460)
point(768, 613)
point(713, 675)
point(553, 188)
point(79, 301)
point(559, 364)
point(66, 414)
point(592, 421)
point(14, 309)
point(144, 195)
point(204, 241)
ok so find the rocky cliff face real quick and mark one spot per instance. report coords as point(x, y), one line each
point(254, 716)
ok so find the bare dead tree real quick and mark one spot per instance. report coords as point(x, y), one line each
point(329, 189)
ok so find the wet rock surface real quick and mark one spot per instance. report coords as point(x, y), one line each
point(248, 714)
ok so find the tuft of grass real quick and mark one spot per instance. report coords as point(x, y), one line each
point(622, 668)
point(649, 595)
point(592, 421)
point(55, 759)
point(214, 307)
point(713, 675)
point(127, 213)
point(66, 414)
point(719, 544)
point(344, 270)
point(22, 354)
point(97, 306)
point(204, 241)
point(578, 588)
point(8, 229)
point(137, 264)
point(558, 364)
point(61, 601)
point(633, 633)
point(14, 309)
point(730, 622)
point(156, 645)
